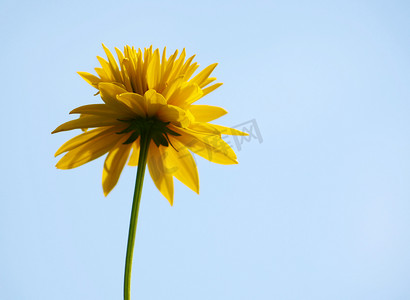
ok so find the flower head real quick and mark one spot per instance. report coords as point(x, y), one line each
point(148, 95)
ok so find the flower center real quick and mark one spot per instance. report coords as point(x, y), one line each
point(156, 129)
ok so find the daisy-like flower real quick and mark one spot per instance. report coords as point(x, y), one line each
point(145, 91)
point(148, 116)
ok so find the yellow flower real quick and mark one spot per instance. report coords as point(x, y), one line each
point(146, 96)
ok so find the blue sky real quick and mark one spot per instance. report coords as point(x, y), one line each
point(317, 209)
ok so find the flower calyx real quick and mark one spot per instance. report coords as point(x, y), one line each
point(157, 130)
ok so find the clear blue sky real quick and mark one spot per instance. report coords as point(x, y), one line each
point(318, 210)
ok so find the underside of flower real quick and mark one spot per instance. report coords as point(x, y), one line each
point(157, 130)
point(148, 95)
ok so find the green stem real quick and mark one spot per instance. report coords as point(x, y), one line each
point(142, 161)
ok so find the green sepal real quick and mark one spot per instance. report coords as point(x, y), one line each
point(133, 137)
point(159, 139)
point(171, 132)
point(126, 130)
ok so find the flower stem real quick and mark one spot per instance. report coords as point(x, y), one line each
point(145, 140)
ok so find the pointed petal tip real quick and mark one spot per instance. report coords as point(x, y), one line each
point(106, 190)
point(170, 198)
point(105, 85)
point(197, 187)
point(58, 166)
point(212, 66)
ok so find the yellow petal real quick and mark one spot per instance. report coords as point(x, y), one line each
point(124, 73)
point(215, 129)
point(140, 73)
point(182, 165)
point(84, 138)
point(153, 97)
point(166, 68)
point(135, 154)
point(119, 54)
point(159, 174)
point(102, 74)
point(113, 64)
point(227, 130)
point(176, 70)
point(109, 92)
point(187, 65)
point(113, 165)
point(107, 69)
point(213, 87)
point(82, 116)
point(206, 113)
point(172, 87)
point(134, 80)
point(88, 151)
point(100, 110)
point(154, 101)
point(190, 70)
point(90, 78)
point(154, 71)
point(203, 75)
point(185, 95)
point(173, 114)
point(210, 147)
point(164, 60)
point(204, 128)
point(207, 81)
point(87, 122)
point(134, 101)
